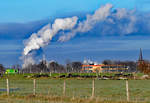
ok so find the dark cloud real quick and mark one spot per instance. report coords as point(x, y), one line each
point(20, 30)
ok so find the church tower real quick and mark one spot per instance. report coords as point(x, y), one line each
point(141, 55)
point(140, 61)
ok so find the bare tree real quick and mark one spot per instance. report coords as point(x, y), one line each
point(68, 66)
point(43, 67)
point(77, 66)
point(55, 67)
point(2, 69)
point(107, 62)
point(144, 67)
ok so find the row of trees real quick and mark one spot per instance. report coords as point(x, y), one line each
point(43, 66)
point(53, 67)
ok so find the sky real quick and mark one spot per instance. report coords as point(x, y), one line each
point(32, 10)
point(20, 18)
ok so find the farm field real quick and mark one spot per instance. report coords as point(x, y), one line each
point(51, 89)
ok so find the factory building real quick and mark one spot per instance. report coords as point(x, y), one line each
point(102, 68)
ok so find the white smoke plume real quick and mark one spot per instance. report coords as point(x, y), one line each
point(44, 36)
point(101, 14)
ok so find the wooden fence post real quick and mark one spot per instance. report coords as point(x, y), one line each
point(34, 86)
point(7, 81)
point(127, 90)
point(50, 74)
point(64, 88)
point(93, 88)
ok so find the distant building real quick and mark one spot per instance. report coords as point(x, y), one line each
point(143, 65)
point(140, 61)
point(11, 71)
point(104, 68)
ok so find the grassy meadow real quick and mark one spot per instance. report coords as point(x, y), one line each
point(78, 90)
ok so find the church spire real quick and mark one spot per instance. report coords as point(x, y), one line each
point(141, 55)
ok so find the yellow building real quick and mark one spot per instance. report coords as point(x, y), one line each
point(104, 68)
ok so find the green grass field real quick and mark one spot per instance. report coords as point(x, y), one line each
point(51, 89)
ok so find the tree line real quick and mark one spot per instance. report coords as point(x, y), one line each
point(69, 67)
point(53, 67)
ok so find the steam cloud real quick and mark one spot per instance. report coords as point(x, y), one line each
point(28, 60)
point(43, 36)
point(100, 15)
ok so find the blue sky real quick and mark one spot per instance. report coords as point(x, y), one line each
point(32, 10)
point(20, 18)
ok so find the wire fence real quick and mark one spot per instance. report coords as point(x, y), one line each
point(132, 90)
